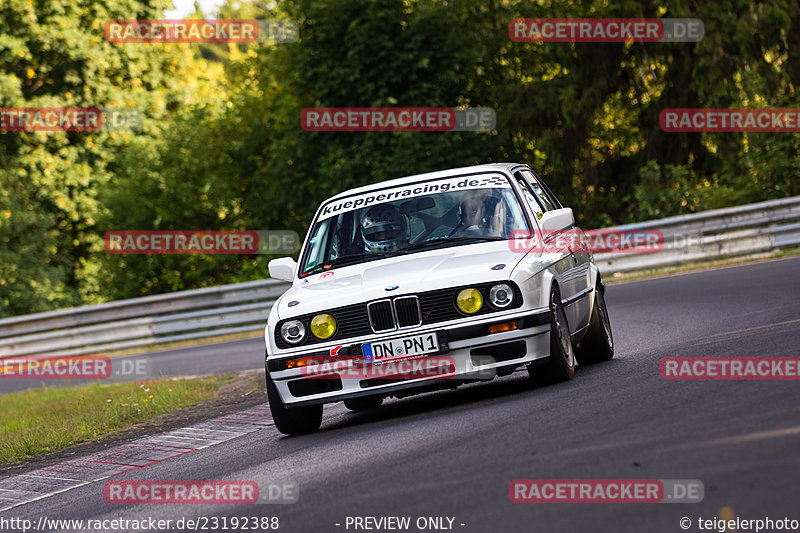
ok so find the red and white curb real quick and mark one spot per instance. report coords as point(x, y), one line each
point(61, 477)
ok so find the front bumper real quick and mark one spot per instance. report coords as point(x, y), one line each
point(472, 354)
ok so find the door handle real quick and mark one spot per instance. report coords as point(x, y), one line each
point(572, 253)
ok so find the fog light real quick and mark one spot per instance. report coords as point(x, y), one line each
point(323, 326)
point(469, 301)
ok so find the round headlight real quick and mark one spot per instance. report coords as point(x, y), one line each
point(501, 295)
point(293, 331)
point(469, 301)
point(323, 326)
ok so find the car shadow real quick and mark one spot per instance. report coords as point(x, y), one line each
point(515, 384)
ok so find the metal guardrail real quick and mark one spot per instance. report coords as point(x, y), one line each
point(140, 322)
point(241, 307)
point(710, 235)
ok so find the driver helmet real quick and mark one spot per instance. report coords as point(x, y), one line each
point(384, 229)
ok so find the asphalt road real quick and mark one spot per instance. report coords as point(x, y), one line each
point(454, 453)
point(230, 356)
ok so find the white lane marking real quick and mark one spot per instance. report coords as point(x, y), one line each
point(38, 484)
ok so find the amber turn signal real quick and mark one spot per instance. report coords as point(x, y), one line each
point(503, 326)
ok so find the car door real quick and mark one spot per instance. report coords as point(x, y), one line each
point(572, 268)
point(560, 258)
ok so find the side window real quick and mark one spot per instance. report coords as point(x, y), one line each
point(536, 207)
point(338, 242)
point(333, 239)
point(317, 245)
point(548, 203)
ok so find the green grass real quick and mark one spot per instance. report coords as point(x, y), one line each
point(48, 419)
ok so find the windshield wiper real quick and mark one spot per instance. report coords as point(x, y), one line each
point(341, 261)
point(443, 240)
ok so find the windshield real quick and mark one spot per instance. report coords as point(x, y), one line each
point(412, 218)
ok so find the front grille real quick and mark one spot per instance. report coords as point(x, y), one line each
point(389, 315)
point(408, 311)
point(351, 321)
point(439, 305)
point(425, 308)
point(381, 317)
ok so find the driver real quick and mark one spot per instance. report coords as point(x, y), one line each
point(384, 229)
point(476, 213)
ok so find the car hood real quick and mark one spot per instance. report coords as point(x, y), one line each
point(414, 273)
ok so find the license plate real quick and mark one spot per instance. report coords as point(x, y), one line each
point(380, 352)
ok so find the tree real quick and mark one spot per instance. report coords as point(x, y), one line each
point(52, 54)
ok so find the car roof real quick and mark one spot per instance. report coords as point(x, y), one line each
point(427, 176)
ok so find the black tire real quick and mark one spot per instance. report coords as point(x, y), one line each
point(561, 365)
point(295, 420)
point(597, 344)
point(363, 402)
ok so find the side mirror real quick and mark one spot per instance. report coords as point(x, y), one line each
point(557, 219)
point(282, 268)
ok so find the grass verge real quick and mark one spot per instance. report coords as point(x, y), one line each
point(47, 419)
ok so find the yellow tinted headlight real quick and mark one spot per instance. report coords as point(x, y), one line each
point(469, 300)
point(323, 326)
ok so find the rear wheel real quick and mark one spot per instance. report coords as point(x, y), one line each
point(598, 342)
point(561, 365)
point(295, 420)
point(364, 402)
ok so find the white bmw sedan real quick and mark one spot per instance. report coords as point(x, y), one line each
point(432, 281)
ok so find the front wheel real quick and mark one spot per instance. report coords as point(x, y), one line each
point(561, 365)
point(598, 343)
point(295, 420)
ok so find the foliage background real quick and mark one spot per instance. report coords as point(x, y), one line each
point(222, 146)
